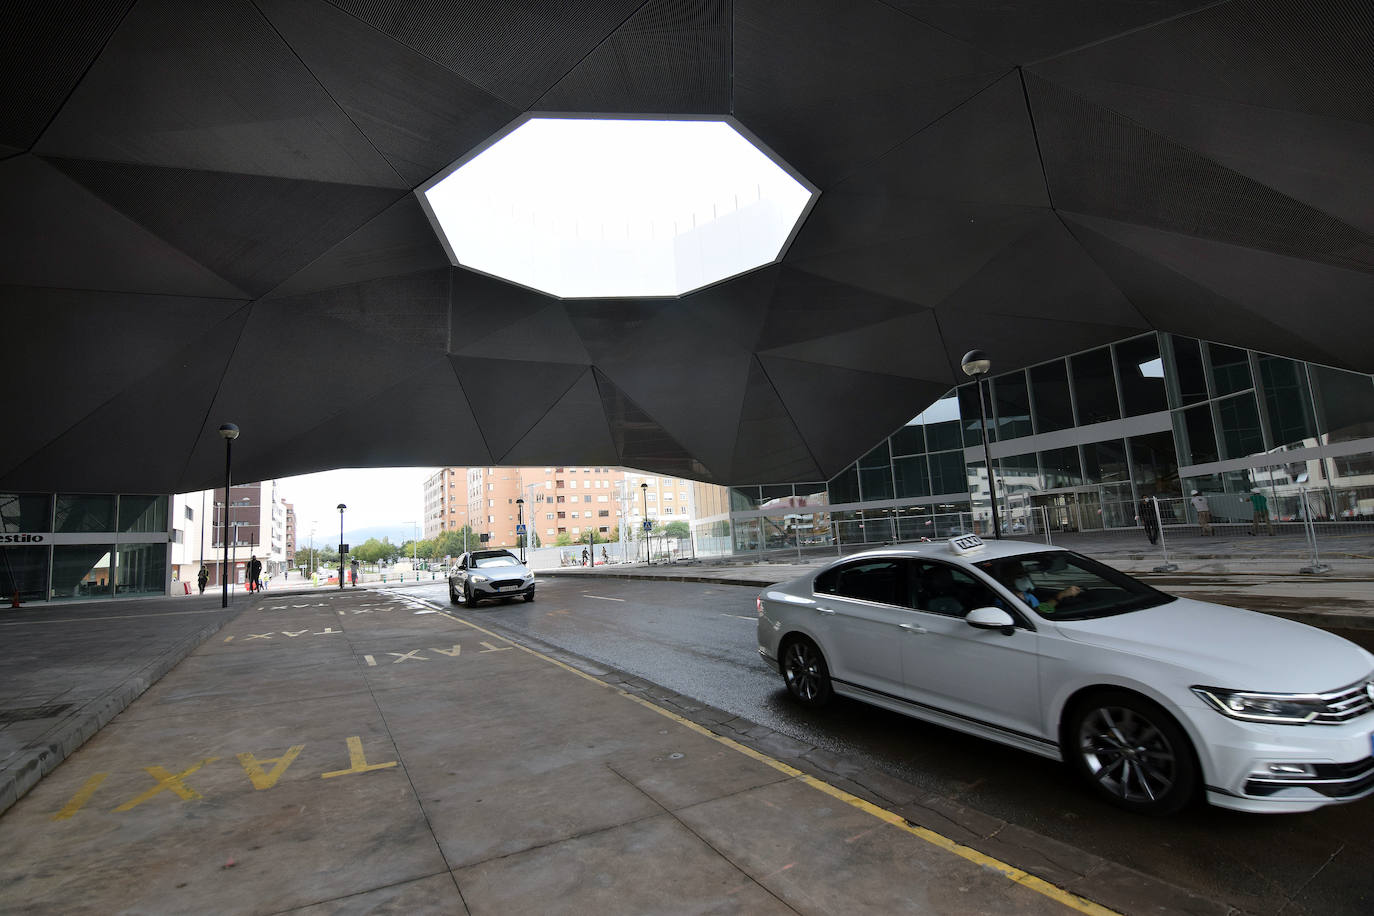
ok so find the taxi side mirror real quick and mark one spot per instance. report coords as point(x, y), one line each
point(990, 618)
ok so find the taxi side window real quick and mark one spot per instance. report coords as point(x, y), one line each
point(946, 590)
point(880, 581)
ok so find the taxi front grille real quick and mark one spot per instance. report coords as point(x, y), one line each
point(1345, 704)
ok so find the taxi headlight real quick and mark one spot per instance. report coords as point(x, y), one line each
point(475, 578)
point(1282, 708)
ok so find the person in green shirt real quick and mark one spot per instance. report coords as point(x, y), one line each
point(1261, 507)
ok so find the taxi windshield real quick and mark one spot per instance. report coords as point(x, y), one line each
point(1062, 585)
point(488, 562)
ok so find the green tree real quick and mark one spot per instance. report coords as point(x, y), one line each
point(563, 540)
point(679, 530)
point(372, 550)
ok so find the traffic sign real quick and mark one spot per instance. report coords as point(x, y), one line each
point(519, 529)
point(648, 525)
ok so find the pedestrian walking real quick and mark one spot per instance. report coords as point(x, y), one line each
point(1260, 503)
point(1204, 512)
point(353, 572)
point(586, 557)
point(1148, 520)
point(254, 572)
point(202, 578)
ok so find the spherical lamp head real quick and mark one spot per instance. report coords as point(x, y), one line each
point(976, 363)
point(229, 431)
point(341, 508)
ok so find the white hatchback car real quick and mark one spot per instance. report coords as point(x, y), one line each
point(1151, 698)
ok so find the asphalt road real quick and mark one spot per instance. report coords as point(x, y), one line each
point(698, 640)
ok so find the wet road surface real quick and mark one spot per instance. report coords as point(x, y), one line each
point(698, 640)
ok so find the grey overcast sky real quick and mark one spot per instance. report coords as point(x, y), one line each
point(374, 496)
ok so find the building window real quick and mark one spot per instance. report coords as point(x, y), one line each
point(190, 514)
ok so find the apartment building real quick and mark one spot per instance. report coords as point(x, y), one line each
point(445, 501)
point(579, 502)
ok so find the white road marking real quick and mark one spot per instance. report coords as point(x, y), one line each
point(738, 617)
point(600, 598)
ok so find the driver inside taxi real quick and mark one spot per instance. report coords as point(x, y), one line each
point(1017, 579)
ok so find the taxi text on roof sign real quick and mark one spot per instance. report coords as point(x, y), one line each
point(965, 543)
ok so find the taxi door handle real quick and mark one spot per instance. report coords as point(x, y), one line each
point(912, 628)
point(824, 610)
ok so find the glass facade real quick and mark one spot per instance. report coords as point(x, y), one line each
point(74, 546)
point(1178, 413)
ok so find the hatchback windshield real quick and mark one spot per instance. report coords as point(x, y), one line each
point(1066, 586)
point(488, 562)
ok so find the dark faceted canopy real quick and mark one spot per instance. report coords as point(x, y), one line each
point(209, 217)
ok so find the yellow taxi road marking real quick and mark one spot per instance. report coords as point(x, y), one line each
point(167, 781)
point(295, 634)
point(600, 598)
point(371, 662)
point(491, 648)
point(1029, 881)
point(357, 762)
point(228, 639)
point(83, 795)
point(259, 635)
point(408, 656)
point(451, 653)
point(266, 780)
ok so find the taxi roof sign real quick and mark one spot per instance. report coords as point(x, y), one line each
point(965, 543)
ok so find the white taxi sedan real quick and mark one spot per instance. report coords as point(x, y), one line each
point(1151, 698)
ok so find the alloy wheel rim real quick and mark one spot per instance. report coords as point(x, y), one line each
point(1127, 754)
point(803, 671)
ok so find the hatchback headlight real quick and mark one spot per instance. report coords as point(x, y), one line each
point(478, 578)
point(1282, 708)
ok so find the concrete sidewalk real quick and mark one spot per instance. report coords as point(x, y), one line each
point(362, 751)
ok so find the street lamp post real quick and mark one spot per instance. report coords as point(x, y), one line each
point(229, 432)
point(644, 491)
point(342, 507)
point(520, 524)
point(976, 365)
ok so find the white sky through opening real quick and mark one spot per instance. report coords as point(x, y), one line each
point(583, 207)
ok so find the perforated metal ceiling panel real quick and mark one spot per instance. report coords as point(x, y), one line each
point(209, 216)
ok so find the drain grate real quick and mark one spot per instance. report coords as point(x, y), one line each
point(29, 713)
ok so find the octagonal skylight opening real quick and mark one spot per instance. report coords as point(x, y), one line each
point(616, 207)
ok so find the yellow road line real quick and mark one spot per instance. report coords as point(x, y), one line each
point(1029, 881)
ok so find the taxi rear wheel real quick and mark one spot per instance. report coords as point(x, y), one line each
point(805, 673)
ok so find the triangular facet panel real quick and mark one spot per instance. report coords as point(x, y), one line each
point(409, 309)
point(575, 429)
point(830, 87)
point(917, 250)
point(57, 233)
point(908, 346)
point(1045, 275)
point(547, 336)
point(814, 394)
point(669, 57)
point(211, 87)
point(398, 241)
point(122, 455)
point(420, 115)
point(513, 51)
point(641, 442)
point(47, 52)
point(768, 447)
point(510, 397)
point(254, 231)
point(391, 438)
point(1100, 163)
point(1276, 290)
point(807, 308)
point(94, 332)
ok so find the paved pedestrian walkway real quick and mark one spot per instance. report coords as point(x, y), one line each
point(363, 751)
